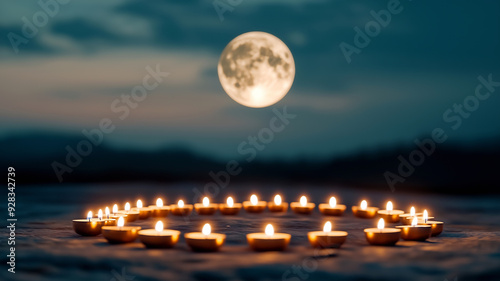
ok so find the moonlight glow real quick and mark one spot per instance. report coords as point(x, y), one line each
point(256, 69)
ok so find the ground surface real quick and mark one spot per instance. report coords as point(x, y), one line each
point(48, 249)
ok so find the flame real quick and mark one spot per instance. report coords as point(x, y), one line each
point(269, 230)
point(414, 222)
point(333, 202)
point(115, 209)
point(106, 211)
point(381, 224)
point(364, 205)
point(426, 216)
point(89, 215)
point(412, 211)
point(277, 200)
point(159, 226)
point(127, 206)
point(389, 206)
point(327, 227)
point(121, 222)
point(230, 201)
point(253, 199)
point(139, 203)
point(303, 201)
point(180, 204)
point(99, 214)
point(206, 202)
point(206, 229)
point(159, 203)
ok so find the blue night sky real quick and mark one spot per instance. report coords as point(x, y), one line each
point(89, 53)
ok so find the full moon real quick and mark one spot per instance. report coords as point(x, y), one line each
point(256, 69)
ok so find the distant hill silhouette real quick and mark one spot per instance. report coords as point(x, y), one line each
point(450, 169)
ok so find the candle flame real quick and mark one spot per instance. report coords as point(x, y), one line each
point(139, 203)
point(327, 227)
point(115, 209)
point(206, 202)
point(426, 216)
point(121, 222)
point(412, 211)
point(159, 203)
point(230, 201)
point(180, 204)
point(389, 206)
point(277, 200)
point(333, 202)
point(206, 229)
point(127, 206)
point(106, 211)
point(89, 215)
point(159, 226)
point(253, 199)
point(269, 230)
point(99, 214)
point(381, 224)
point(364, 205)
point(303, 201)
point(414, 222)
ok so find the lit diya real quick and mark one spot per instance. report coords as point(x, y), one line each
point(415, 232)
point(277, 205)
point(159, 210)
point(120, 233)
point(332, 208)
point(363, 211)
point(390, 215)
point(327, 238)
point(159, 237)
point(420, 218)
point(382, 236)
point(436, 226)
point(230, 208)
point(254, 205)
point(302, 207)
point(411, 214)
point(268, 241)
point(116, 214)
point(205, 241)
point(144, 212)
point(91, 226)
point(181, 209)
point(132, 215)
point(205, 208)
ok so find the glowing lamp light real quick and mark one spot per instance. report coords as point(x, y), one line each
point(269, 230)
point(328, 227)
point(389, 206)
point(206, 229)
point(277, 200)
point(121, 222)
point(115, 209)
point(412, 211)
point(159, 226)
point(303, 201)
point(89, 215)
point(381, 224)
point(426, 216)
point(127, 206)
point(159, 203)
point(333, 202)
point(253, 199)
point(230, 201)
point(414, 222)
point(106, 211)
point(206, 202)
point(99, 214)
point(364, 205)
point(139, 203)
